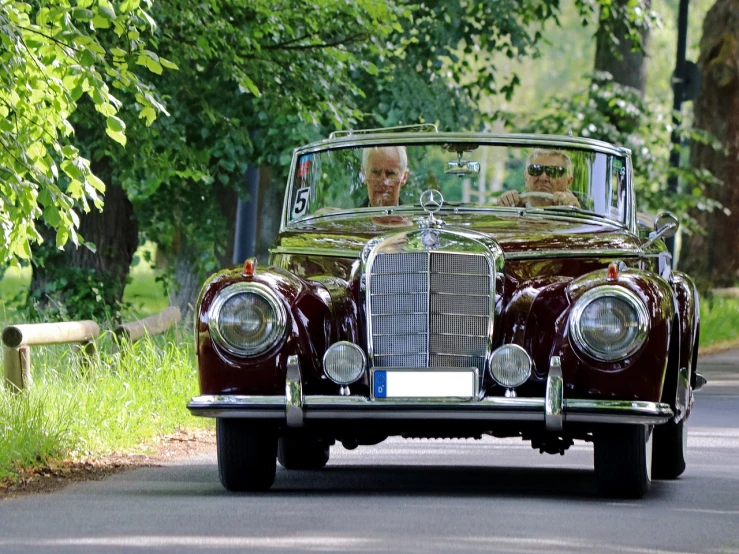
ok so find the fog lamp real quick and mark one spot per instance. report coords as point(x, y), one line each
point(510, 366)
point(344, 363)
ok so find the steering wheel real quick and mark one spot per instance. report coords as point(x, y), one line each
point(531, 194)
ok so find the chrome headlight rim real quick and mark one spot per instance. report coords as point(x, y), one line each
point(355, 347)
point(597, 293)
point(229, 292)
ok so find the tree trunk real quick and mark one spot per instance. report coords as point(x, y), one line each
point(713, 258)
point(78, 283)
point(188, 280)
point(627, 65)
point(271, 195)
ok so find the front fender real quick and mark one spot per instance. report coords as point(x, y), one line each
point(641, 375)
point(310, 329)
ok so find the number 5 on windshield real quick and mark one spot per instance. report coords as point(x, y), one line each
point(301, 203)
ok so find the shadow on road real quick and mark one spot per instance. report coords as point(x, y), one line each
point(394, 481)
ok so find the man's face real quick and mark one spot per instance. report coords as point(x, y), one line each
point(384, 177)
point(544, 182)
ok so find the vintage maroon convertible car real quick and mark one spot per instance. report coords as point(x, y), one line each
point(429, 284)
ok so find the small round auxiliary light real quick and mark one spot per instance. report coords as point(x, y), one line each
point(510, 366)
point(344, 363)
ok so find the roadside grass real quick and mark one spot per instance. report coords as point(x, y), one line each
point(719, 321)
point(117, 404)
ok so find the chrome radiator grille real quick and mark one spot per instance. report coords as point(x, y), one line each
point(429, 309)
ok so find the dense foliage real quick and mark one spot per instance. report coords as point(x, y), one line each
point(52, 59)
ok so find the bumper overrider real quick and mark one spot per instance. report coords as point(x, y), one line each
point(554, 411)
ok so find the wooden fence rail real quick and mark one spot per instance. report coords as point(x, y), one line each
point(152, 325)
point(18, 338)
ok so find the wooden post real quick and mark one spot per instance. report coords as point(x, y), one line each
point(17, 368)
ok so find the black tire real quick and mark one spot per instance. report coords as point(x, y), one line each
point(670, 445)
point(623, 459)
point(246, 455)
point(302, 452)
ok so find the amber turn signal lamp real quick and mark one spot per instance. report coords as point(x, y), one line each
point(612, 274)
point(250, 266)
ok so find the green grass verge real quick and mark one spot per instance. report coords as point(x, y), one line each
point(116, 404)
point(719, 320)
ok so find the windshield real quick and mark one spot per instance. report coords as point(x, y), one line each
point(469, 175)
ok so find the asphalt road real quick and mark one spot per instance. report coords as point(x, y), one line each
point(409, 496)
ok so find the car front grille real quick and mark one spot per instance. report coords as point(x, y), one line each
point(429, 309)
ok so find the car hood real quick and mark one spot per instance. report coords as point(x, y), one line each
point(348, 234)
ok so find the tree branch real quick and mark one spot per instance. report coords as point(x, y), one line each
point(347, 40)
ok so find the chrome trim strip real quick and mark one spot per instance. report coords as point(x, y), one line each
point(572, 253)
point(553, 415)
point(643, 320)
point(333, 252)
point(487, 409)
point(293, 393)
point(512, 139)
point(523, 255)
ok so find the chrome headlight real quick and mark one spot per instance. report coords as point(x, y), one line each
point(247, 319)
point(344, 363)
point(510, 366)
point(609, 323)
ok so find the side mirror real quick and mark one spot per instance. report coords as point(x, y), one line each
point(665, 226)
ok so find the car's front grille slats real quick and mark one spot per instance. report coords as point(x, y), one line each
point(429, 309)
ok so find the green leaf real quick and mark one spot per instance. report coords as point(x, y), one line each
point(129, 5)
point(51, 216)
point(116, 136)
point(248, 84)
point(168, 64)
point(149, 113)
point(99, 22)
point(116, 124)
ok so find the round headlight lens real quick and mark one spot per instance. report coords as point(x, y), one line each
point(247, 319)
point(344, 363)
point(510, 366)
point(609, 323)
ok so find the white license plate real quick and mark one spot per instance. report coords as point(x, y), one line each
point(397, 383)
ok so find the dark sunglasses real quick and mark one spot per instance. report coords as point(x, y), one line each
point(552, 170)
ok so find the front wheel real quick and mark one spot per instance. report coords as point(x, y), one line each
point(623, 461)
point(247, 456)
point(302, 452)
point(670, 447)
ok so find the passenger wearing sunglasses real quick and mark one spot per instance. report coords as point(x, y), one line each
point(548, 179)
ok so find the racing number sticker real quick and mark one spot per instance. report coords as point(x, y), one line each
point(301, 202)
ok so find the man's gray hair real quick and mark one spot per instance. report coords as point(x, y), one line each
point(386, 149)
point(543, 152)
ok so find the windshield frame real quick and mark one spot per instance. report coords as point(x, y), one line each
point(507, 140)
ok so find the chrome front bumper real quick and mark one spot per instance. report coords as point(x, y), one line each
point(326, 408)
point(554, 411)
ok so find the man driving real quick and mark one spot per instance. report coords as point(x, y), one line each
point(548, 178)
point(385, 171)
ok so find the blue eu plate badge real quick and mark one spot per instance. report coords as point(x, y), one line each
point(380, 384)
